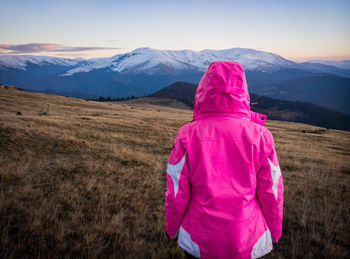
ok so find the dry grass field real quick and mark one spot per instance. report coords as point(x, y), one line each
point(87, 179)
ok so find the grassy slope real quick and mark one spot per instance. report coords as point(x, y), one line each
point(88, 179)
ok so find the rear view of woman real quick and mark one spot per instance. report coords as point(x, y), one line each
point(224, 195)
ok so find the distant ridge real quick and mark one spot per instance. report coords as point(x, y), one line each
point(275, 109)
point(10, 87)
point(180, 91)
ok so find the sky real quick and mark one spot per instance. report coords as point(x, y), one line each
point(296, 30)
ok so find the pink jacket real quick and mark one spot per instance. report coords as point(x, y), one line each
point(224, 195)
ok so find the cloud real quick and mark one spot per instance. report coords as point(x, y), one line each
point(44, 47)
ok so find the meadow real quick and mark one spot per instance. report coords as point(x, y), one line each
point(87, 179)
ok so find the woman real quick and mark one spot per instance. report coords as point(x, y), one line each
point(224, 195)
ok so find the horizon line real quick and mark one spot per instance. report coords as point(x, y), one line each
point(59, 54)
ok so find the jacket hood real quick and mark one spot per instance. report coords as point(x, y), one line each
point(223, 90)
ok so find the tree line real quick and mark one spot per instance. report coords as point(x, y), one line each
point(115, 99)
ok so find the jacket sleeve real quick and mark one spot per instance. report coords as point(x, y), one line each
point(178, 191)
point(270, 190)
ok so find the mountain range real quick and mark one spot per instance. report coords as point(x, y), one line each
point(144, 71)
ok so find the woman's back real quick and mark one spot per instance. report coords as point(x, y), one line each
point(218, 168)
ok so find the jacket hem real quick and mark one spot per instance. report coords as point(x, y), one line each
point(189, 251)
point(262, 253)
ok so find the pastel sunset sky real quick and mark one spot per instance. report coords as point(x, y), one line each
point(297, 30)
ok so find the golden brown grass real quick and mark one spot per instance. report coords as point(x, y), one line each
point(87, 179)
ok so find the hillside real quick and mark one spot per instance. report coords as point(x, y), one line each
point(87, 179)
point(273, 108)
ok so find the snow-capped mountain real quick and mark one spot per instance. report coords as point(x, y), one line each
point(145, 59)
point(153, 61)
point(145, 70)
point(21, 61)
point(149, 61)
